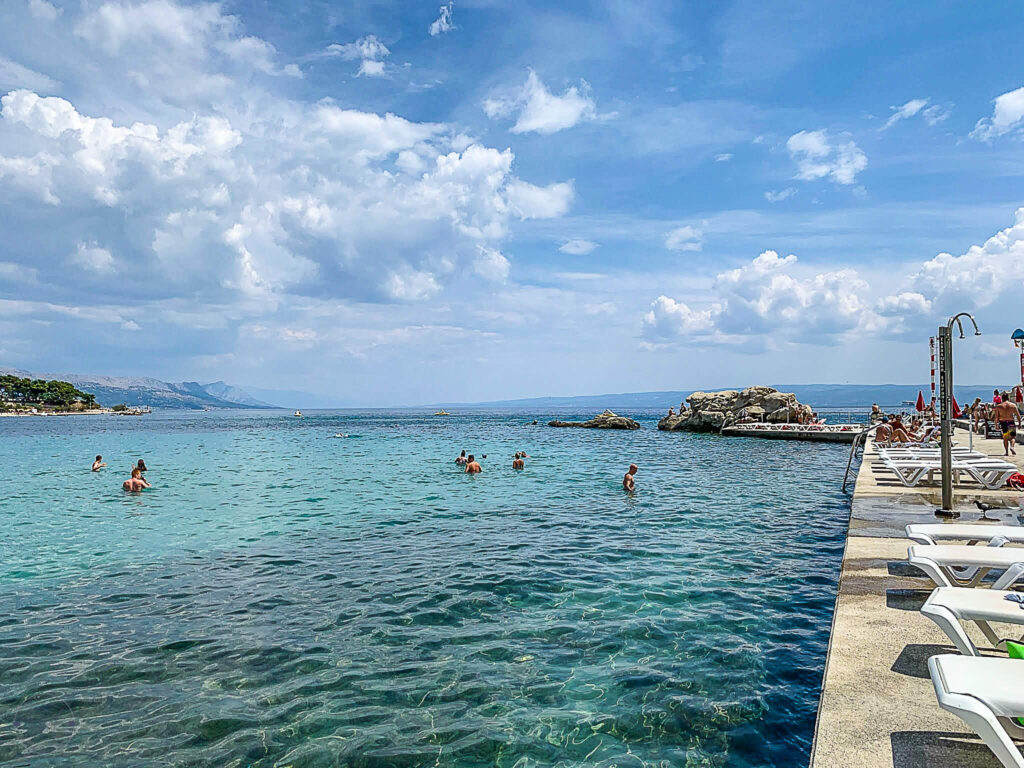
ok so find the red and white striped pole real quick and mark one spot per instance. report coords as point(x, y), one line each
point(931, 350)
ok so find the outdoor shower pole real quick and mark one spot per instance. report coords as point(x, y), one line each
point(946, 404)
point(946, 401)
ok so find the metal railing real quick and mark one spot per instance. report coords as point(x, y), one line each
point(860, 439)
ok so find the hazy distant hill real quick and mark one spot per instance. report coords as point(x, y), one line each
point(142, 390)
point(815, 395)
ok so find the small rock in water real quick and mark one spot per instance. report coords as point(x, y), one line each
point(606, 420)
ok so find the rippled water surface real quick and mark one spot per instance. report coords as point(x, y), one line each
point(282, 597)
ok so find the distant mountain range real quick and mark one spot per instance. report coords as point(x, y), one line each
point(141, 390)
point(815, 395)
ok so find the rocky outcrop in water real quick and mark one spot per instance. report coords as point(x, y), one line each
point(606, 420)
point(710, 411)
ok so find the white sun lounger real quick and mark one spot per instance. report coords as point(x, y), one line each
point(991, 474)
point(986, 694)
point(948, 606)
point(940, 560)
point(993, 535)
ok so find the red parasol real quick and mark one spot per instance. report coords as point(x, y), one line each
point(1020, 394)
point(920, 401)
point(957, 413)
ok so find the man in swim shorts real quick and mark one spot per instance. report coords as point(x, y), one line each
point(628, 483)
point(1008, 416)
point(98, 464)
point(518, 463)
point(473, 466)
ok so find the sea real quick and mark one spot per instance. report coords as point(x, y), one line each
point(333, 590)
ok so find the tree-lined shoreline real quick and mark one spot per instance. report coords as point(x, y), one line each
point(21, 395)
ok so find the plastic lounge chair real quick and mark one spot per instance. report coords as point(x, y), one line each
point(994, 535)
point(986, 694)
point(939, 561)
point(991, 474)
point(948, 606)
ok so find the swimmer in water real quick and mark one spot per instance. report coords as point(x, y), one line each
point(141, 466)
point(136, 482)
point(524, 454)
point(627, 480)
point(518, 463)
point(473, 466)
point(461, 459)
point(98, 464)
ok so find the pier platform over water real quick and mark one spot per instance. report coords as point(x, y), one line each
point(878, 707)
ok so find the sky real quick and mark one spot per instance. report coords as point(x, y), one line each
point(396, 203)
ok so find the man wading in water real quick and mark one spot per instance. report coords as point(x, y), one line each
point(628, 483)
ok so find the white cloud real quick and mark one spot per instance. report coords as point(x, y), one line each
point(766, 297)
point(979, 277)
point(908, 302)
point(773, 296)
point(34, 174)
point(936, 113)
point(578, 247)
point(370, 68)
point(529, 201)
point(368, 47)
point(932, 115)
point(777, 196)
point(93, 258)
point(723, 158)
point(491, 265)
point(1007, 116)
point(580, 275)
point(44, 10)
point(256, 221)
point(818, 156)
point(905, 111)
point(684, 239)
point(443, 23)
point(537, 109)
point(14, 75)
point(412, 285)
point(369, 50)
point(670, 320)
point(600, 308)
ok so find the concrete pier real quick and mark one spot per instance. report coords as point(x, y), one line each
point(878, 707)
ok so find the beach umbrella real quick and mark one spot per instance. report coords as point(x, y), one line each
point(1020, 394)
point(920, 401)
point(957, 413)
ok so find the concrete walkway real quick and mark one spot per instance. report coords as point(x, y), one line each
point(878, 707)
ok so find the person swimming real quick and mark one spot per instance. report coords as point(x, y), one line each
point(461, 459)
point(136, 482)
point(141, 466)
point(518, 463)
point(473, 466)
point(98, 464)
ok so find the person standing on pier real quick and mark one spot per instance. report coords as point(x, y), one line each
point(1008, 416)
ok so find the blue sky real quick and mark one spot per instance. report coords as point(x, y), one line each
point(397, 203)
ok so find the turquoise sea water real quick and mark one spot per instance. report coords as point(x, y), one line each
point(282, 597)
